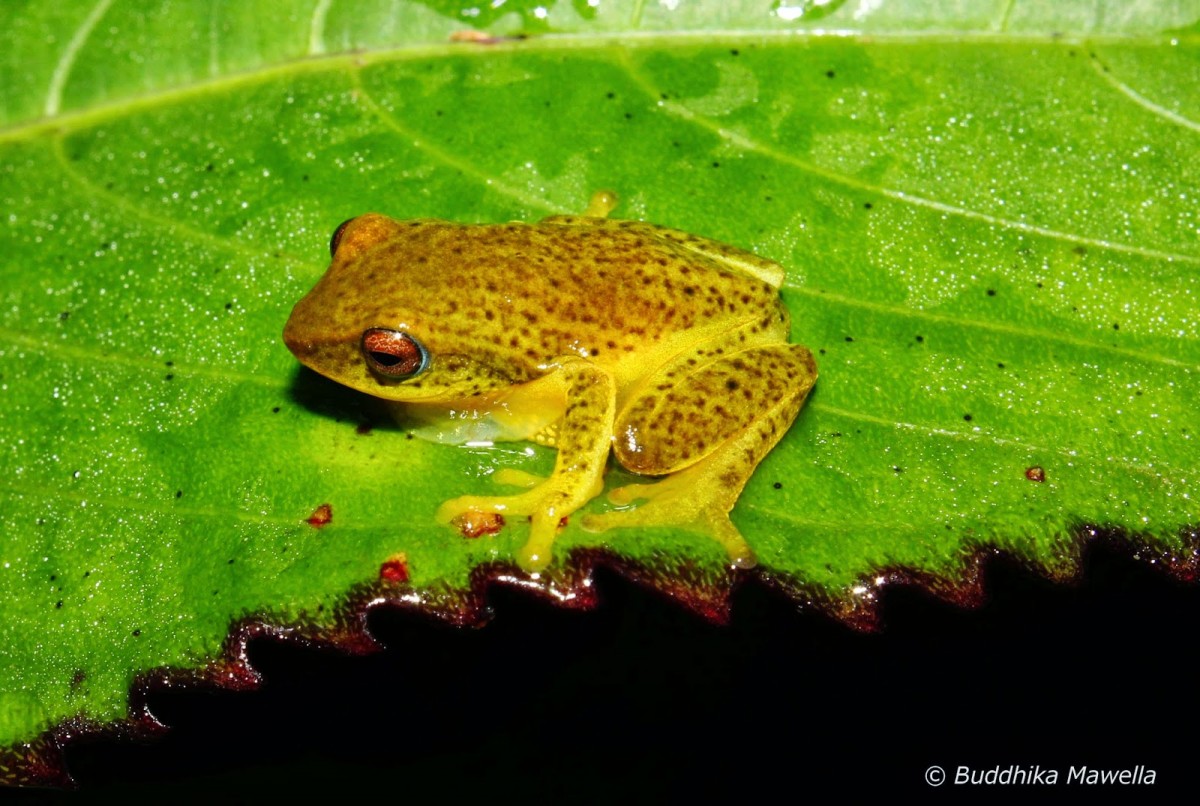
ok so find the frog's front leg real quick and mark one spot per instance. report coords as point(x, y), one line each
point(706, 424)
point(583, 439)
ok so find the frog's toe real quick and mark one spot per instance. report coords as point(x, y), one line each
point(667, 488)
point(739, 551)
point(601, 523)
point(449, 510)
point(535, 555)
point(464, 505)
point(710, 521)
point(623, 496)
point(517, 478)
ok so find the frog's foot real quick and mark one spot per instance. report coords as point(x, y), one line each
point(547, 506)
point(583, 441)
point(676, 501)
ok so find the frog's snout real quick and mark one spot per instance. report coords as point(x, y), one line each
point(300, 349)
point(298, 339)
point(293, 341)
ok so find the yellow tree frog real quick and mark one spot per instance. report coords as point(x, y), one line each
point(588, 334)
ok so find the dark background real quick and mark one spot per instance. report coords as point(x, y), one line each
point(642, 701)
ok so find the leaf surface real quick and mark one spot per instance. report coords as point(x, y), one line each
point(987, 212)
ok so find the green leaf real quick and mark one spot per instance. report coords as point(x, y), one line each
point(988, 215)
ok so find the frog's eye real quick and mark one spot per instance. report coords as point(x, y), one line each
point(393, 354)
point(337, 237)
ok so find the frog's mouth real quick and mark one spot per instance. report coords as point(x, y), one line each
point(329, 359)
point(446, 378)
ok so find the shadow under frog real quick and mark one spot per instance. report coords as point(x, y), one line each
point(586, 334)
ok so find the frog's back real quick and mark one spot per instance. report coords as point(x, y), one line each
point(608, 271)
point(727, 258)
point(582, 286)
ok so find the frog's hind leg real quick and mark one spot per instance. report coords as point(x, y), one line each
point(687, 499)
point(710, 430)
point(724, 257)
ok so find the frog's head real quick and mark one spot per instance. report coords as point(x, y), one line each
point(369, 325)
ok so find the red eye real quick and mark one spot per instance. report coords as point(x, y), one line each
point(393, 354)
point(337, 237)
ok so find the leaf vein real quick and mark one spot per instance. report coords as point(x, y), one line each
point(745, 143)
point(124, 503)
point(73, 350)
point(1041, 336)
point(1141, 100)
point(170, 225)
point(440, 154)
point(316, 27)
point(62, 70)
point(635, 17)
point(1153, 472)
point(1007, 14)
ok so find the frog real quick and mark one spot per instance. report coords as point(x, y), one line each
point(598, 337)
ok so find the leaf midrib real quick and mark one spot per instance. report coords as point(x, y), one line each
point(86, 117)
